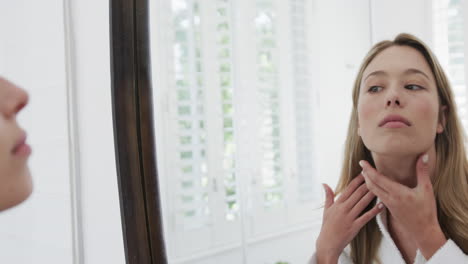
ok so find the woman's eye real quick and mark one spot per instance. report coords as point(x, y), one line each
point(413, 87)
point(374, 89)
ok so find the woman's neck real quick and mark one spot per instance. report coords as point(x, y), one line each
point(401, 169)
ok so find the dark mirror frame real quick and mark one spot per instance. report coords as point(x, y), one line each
point(134, 138)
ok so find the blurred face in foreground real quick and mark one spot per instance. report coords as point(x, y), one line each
point(398, 106)
point(15, 179)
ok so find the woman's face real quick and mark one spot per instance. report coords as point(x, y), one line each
point(398, 106)
point(15, 179)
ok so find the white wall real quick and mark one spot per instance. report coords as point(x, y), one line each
point(342, 39)
point(103, 242)
point(392, 17)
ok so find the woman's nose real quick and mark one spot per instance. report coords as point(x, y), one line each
point(394, 97)
point(13, 98)
point(393, 102)
point(19, 100)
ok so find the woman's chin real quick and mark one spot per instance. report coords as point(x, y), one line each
point(395, 151)
point(18, 193)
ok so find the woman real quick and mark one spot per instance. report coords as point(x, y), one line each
point(15, 179)
point(403, 187)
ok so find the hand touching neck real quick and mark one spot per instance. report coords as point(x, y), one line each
point(402, 169)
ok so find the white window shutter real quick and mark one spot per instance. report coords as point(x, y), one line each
point(235, 144)
point(303, 101)
point(305, 191)
point(449, 46)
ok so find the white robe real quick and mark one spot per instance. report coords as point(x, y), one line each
point(388, 252)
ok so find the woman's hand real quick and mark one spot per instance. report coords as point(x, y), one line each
point(414, 208)
point(341, 220)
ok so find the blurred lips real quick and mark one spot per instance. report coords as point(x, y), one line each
point(21, 148)
point(394, 121)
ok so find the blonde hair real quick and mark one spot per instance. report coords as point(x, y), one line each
point(450, 181)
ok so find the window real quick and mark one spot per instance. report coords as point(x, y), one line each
point(235, 126)
point(449, 45)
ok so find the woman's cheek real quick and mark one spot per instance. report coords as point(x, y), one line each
point(366, 111)
point(428, 113)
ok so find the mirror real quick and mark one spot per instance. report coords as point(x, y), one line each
point(251, 106)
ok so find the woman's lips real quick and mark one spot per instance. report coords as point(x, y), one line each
point(394, 121)
point(21, 148)
point(394, 124)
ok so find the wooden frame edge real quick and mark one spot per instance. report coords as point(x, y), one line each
point(134, 137)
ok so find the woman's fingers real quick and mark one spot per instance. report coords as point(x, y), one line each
point(362, 204)
point(329, 196)
point(355, 197)
point(422, 172)
point(353, 185)
point(363, 219)
point(379, 180)
point(376, 189)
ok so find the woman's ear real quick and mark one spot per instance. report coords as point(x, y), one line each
point(442, 119)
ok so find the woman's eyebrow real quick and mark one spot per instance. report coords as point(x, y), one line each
point(416, 71)
point(380, 72)
point(406, 72)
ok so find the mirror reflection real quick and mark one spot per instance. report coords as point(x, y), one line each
point(252, 105)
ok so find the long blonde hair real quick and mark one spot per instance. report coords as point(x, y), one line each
point(450, 181)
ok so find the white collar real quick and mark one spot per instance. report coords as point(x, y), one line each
point(387, 243)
